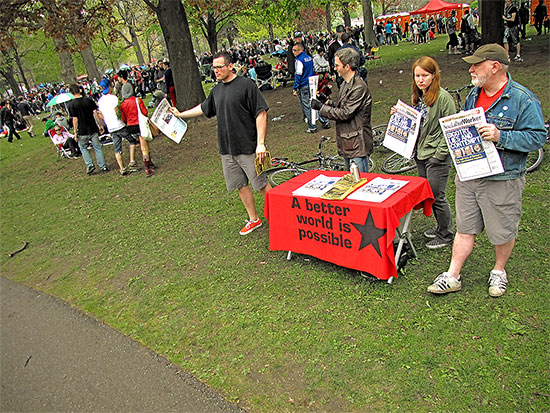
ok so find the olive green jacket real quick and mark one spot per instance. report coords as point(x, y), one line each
point(431, 142)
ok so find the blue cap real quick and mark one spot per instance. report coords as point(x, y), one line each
point(105, 84)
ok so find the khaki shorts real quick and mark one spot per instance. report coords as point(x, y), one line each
point(238, 170)
point(493, 205)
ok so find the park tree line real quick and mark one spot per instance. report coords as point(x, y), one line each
point(105, 30)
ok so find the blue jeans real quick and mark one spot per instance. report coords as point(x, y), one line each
point(304, 95)
point(83, 141)
point(362, 163)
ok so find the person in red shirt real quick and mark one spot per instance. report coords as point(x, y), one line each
point(129, 115)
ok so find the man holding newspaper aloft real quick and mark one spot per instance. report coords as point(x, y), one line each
point(515, 124)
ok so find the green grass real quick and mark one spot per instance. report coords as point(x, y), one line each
point(160, 260)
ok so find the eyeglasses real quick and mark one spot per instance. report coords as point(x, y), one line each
point(219, 67)
point(57, 130)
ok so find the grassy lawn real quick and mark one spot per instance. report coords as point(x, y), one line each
point(161, 260)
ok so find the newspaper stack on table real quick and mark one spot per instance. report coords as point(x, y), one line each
point(378, 190)
point(473, 156)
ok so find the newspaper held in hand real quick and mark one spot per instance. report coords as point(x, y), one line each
point(378, 190)
point(313, 85)
point(402, 131)
point(168, 124)
point(263, 166)
point(472, 156)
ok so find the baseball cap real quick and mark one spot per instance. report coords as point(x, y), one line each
point(297, 34)
point(491, 51)
point(105, 86)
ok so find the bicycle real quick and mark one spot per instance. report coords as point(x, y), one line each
point(534, 159)
point(285, 169)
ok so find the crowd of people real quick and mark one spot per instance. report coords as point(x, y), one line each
point(492, 203)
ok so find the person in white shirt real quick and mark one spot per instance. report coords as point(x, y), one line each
point(107, 105)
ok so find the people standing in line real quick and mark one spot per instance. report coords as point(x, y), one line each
point(241, 113)
point(351, 111)
point(83, 111)
point(515, 125)
point(27, 113)
point(129, 116)
point(304, 69)
point(451, 31)
point(432, 153)
point(511, 31)
point(108, 106)
point(540, 14)
point(7, 117)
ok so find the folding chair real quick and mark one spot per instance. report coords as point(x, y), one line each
point(265, 76)
point(61, 151)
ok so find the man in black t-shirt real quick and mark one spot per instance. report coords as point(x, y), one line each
point(83, 111)
point(241, 112)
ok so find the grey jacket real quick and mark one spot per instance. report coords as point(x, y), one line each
point(352, 113)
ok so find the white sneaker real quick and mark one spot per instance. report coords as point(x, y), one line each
point(497, 283)
point(445, 283)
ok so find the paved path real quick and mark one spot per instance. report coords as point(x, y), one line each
point(55, 358)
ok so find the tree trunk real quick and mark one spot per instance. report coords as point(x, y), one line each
point(175, 28)
point(7, 73)
point(90, 62)
point(345, 13)
point(211, 34)
point(270, 32)
point(137, 47)
point(328, 17)
point(68, 74)
point(22, 71)
point(370, 36)
point(492, 27)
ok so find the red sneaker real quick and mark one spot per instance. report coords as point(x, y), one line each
point(251, 226)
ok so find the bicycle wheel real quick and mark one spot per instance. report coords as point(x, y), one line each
point(378, 133)
point(534, 159)
point(336, 163)
point(396, 164)
point(283, 175)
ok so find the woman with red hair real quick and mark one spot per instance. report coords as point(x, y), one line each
point(432, 154)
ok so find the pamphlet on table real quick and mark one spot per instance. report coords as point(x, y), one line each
point(472, 156)
point(378, 190)
point(167, 123)
point(317, 186)
point(402, 131)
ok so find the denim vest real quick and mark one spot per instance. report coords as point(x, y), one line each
point(518, 116)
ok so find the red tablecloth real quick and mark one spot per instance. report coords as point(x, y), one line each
point(353, 234)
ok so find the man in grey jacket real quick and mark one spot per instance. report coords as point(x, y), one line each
point(351, 111)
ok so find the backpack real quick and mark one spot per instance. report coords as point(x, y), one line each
point(464, 26)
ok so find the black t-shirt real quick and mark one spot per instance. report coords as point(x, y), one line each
point(236, 104)
point(508, 11)
point(83, 109)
